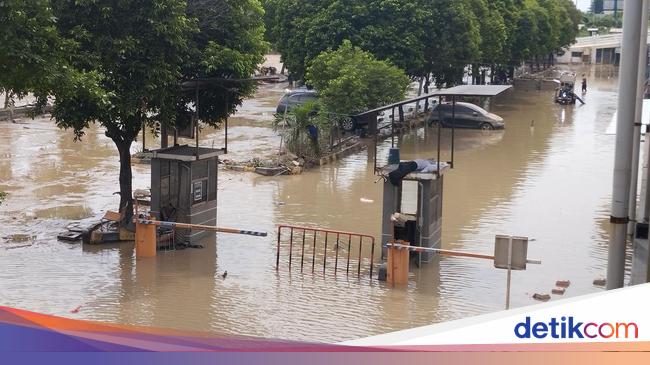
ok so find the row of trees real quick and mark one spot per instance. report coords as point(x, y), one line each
point(120, 63)
point(432, 39)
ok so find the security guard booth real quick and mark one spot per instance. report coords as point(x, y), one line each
point(184, 188)
point(412, 210)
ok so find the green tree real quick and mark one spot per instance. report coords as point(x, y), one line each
point(350, 80)
point(271, 12)
point(227, 49)
point(493, 34)
point(294, 128)
point(390, 30)
point(126, 64)
point(31, 52)
point(3, 195)
point(129, 58)
point(452, 40)
point(569, 18)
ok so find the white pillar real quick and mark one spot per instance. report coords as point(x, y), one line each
point(628, 71)
point(640, 86)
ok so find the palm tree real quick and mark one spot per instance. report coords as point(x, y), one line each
point(300, 129)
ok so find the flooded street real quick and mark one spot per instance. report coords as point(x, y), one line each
point(547, 176)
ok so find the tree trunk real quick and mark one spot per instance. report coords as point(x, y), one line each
point(126, 179)
point(9, 104)
point(420, 86)
point(426, 91)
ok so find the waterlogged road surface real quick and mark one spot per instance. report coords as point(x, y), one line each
point(547, 176)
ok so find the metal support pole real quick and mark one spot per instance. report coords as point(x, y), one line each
point(623, 152)
point(164, 137)
point(392, 128)
point(439, 133)
point(453, 129)
point(509, 277)
point(197, 120)
point(640, 86)
point(225, 147)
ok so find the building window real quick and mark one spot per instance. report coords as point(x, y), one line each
point(576, 54)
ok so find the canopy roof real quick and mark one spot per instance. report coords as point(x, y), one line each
point(460, 90)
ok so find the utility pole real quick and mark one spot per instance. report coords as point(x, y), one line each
point(640, 86)
point(624, 134)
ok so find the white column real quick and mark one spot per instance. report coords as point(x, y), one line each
point(640, 86)
point(628, 72)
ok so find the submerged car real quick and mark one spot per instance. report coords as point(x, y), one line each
point(297, 97)
point(294, 98)
point(464, 115)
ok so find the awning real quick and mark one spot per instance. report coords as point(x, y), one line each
point(461, 90)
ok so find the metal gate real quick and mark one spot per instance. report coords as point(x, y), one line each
point(311, 245)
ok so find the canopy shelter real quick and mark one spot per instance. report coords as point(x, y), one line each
point(452, 93)
point(184, 178)
point(192, 130)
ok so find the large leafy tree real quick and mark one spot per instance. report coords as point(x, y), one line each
point(227, 48)
point(390, 30)
point(129, 58)
point(424, 37)
point(30, 49)
point(126, 63)
point(351, 80)
point(453, 40)
point(493, 34)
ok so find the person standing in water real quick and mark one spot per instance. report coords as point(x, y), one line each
point(584, 83)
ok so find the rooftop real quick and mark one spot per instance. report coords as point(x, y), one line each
point(460, 90)
point(600, 41)
point(187, 153)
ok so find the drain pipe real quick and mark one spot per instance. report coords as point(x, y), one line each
point(623, 151)
point(640, 86)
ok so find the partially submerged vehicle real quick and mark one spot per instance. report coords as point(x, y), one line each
point(464, 115)
point(564, 94)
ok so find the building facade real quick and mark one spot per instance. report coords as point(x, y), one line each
point(607, 6)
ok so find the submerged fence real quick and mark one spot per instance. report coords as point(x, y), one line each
point(325, 249)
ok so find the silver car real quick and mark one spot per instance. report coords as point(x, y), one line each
point(465, 115)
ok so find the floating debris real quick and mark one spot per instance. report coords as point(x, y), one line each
point(542, 297)
point(563, 283)
point(271, 171)
point(364, 200)
point(76, 310)
point(70, 236)
point(19, 237)
point(600, 282)
point(225, 273)
point(558, 291)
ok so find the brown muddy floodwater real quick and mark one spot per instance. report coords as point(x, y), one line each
point(550, 181)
